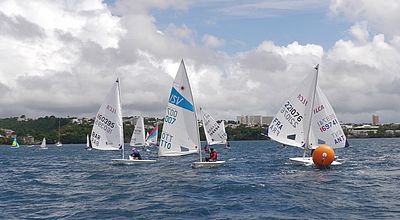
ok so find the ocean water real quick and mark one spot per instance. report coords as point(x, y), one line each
point(257, 182)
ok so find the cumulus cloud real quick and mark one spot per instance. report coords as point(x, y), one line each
point(382, 15)
point(61, 58)
point(212, 41)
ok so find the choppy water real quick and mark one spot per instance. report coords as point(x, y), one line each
point(257, 182)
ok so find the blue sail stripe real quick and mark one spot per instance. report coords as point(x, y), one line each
point(177, 99)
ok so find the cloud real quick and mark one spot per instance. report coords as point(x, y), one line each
point(212, 41)
point(382, 15)
point(62, 57)
point(256, 9)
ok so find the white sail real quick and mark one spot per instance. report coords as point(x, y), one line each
point(43, 144)
point(215, 133)
point(222, 124)
point(107, 132)
point(288, 126)
point(138, 137)
point(325, 127)
point(180, 134)
point(87, 141)
point(307, 119)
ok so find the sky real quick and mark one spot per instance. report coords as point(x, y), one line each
point(243, 57)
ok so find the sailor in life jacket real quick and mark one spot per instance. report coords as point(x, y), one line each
point(213, 155)
point(135, 154)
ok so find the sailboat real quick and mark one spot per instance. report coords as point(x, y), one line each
point(15, 143)
point(215, 134)
point(151, 138)
point(138, 138)
point(180, 134)
point(43, 144)
point(59, 144)
point(307, 120)
point(107, 131)
point(88, 143)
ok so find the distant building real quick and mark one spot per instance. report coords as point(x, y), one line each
point(364, 130)
point(375, 120)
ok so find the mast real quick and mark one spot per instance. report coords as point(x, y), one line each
point(59, 131)
point(120, 115)
point(307, 134)
point(200, 148)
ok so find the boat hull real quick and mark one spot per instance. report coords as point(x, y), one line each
point(131, 162)
point(199, 164)
point(309, 161)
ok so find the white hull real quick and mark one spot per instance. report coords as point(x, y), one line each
point(308, 161)
point(130, 162)
point(199, 164)
point(59, 145)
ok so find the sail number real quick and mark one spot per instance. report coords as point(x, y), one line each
point(291, 114)
point(275, 127)
point(104, 123)
point(328, 125)
point(95, 139)
point(171, 116)
point(166, 140)
point(211, 131)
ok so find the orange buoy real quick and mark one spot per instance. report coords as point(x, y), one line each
point(323, 156)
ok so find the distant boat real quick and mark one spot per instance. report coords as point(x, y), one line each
point(138, 138)
point(151, 138)
point(107, 132)
point(43, 145)
point(59, 144)
point(307, 120)
point(15, 143)
point(88, 143)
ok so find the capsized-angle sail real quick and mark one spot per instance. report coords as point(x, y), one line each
point(215, 132)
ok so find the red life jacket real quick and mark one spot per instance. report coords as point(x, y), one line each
point(213, 156)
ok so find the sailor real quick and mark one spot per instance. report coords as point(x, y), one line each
point(213, 156)
point(135, 154)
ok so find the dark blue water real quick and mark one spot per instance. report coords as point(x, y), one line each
point(257, 182)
